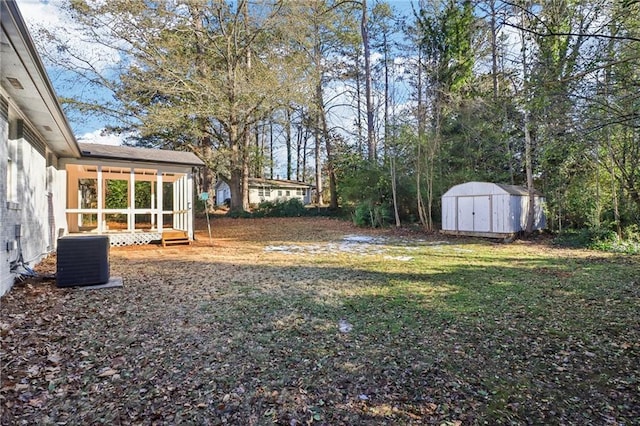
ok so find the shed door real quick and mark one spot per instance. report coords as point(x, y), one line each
point(482, 216)
point(474, 213)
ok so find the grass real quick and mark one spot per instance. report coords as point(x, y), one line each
point(443, 332)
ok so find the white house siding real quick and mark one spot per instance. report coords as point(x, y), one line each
point(223, 192)
point(258, 195)
point(30, 210)
point(37, 204)
point(6, 233)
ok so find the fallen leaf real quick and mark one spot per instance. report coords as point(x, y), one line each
point(54, 358)
point(107, 372)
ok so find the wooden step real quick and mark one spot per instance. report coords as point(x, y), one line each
point(175, 237)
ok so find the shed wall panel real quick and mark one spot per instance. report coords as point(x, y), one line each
point(502, 214)
point(521, 205)
point(449, 213)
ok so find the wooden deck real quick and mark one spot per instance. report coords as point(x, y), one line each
point(173, 236)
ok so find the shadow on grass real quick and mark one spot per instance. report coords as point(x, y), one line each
point(523, 341)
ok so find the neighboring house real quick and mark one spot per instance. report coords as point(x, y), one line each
point(52, 186)
point(489, 210)
point(268, 190)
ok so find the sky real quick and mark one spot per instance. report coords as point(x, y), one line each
point(47, 14)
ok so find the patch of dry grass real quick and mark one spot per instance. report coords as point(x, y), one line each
point(227, 331)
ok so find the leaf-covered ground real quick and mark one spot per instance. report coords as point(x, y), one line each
point(312, 321)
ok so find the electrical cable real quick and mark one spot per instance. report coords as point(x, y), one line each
point(27, 271)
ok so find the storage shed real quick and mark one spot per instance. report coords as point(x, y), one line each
point(487, 209)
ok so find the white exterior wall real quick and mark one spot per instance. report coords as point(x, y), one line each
point(38, 207)
point(6, 231)
point(34, 207)
point(29, 210)
point(256, 198)
point(223, 192)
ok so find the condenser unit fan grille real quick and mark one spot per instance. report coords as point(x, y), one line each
point(82, 260)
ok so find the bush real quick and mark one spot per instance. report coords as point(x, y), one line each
point(235, 214)
point(602, 239)
point(370, 214)
point(289, 208)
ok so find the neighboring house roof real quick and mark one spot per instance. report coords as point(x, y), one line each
point(271, 183)
point(149, 155)
point(278, 183)
point(25, 80)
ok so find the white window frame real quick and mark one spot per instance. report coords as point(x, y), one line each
point(12, 171)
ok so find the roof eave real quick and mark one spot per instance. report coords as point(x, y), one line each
point(140, 160)
point(15, 28)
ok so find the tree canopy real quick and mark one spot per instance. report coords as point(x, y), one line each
point(380, 106)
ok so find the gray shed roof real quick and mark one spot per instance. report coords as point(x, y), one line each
point(517, 190)
point(149, 155)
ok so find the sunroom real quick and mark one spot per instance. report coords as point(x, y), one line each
point(133, 195)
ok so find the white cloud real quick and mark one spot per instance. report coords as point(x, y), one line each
point(101, 137)
point(50, 16)
point(46, 14)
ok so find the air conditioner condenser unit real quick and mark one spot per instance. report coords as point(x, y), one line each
point(82, 261)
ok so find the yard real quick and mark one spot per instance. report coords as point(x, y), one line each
point(313, 321)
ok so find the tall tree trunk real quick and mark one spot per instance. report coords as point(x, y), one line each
point(247, 135)
point(359, 142)
point(259, 153)
point(528, 146)
point(528, 158)
point(305, 139)
point(494, 48)
point(271, 159)
point(333, 193)
point(394, 192)
point(236, 170)
point(364, 28)
point(298, 152)
point(318, 164)
point(422, 118)
point(386, 88)
point(288, 141)
point(245, 167)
